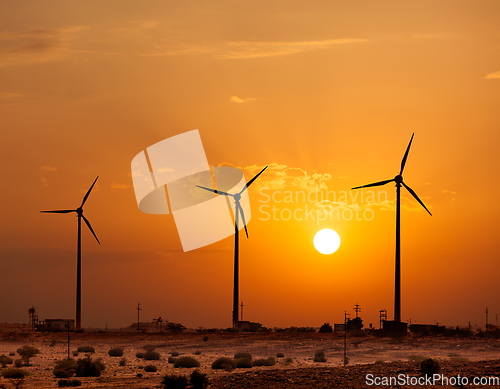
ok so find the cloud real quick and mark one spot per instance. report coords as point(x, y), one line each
point(492, 75)
point(8, 98)
point(36, 45)
point(119, 186)
point(146, 23)
point(279, 177)
point(446, 191)
point(44, 180)
point(236, 99)
point(48, 168)
point(246, 49)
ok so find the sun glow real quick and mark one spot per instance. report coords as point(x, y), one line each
point(326, 241)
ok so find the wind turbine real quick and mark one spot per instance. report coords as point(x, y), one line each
point(239, 209)
point(79, 213)
point(399, 181)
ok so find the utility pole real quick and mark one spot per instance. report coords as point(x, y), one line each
point(357, 309)
point(486, 318)
point(68, 338)
point(241, 305)
point(138, 311)
point(345, 337)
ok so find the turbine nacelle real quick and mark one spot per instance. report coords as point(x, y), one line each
point(398, 179)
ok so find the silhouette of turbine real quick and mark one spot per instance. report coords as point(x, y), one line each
point(399, 181)
point(239, 209)
point(79, 213)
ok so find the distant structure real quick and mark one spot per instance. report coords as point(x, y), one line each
point(248, 326)
point(357, 309)
point(139, 309)
point(79, 213)
point(56, 325)
point(238, 211)
point(383, 317)
point(32, 312)
point(241, 305)
point(397, 326)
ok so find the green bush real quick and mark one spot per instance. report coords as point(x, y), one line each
point(18, 362)
point(150, 368)
point(14, 373)
point(186, 362)
point(243, 355)
point(64, 369)
point(172, 359)
point(174, 353)
point(86, 367)
point(172, 381)
point(264, 362)
point(140, 354)
point(122, 362)
point(205, 338)
point(86, 349)
point(27, 352)
point(225, 363)
point(69, 383)
point(243, 363)
point(429, 367)
point(116, 352)
point(75, 353)
point(197, 352)
point(288, 361)
point(5, 360)
point(151, 356)
point(138, 375)
point(198, 380)
point(280, 355)
point(319, 356)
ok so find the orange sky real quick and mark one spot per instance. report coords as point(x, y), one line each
point(326, 92)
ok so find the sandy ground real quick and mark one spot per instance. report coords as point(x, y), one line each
point(368, 355)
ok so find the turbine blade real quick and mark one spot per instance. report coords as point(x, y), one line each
point(243, 218)
point(60, 211)
point(403, 162)
point(90, 228)
point(214, 190)
point(416, 197)
point(88, 192)
point(252, 180)
point(374, 184)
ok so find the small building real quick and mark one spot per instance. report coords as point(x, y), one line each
point(56, 325)
point(248, 326)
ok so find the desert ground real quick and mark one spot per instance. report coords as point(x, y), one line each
point(469, 357)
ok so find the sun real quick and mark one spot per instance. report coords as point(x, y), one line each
point(326, 241)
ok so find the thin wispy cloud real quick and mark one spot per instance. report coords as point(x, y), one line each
point(119, 186)
point(9, 98)
point(247, 49)
point(492, 75)
point(236, 99)
point(48, 168)
point(146, 23)
point(36, 45)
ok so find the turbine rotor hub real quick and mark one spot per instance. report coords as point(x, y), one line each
point(79, 211)
point(398, 179)
point(237, 197)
